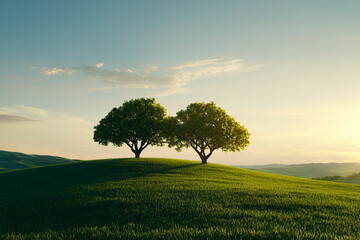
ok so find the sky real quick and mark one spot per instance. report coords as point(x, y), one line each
point(286, 70)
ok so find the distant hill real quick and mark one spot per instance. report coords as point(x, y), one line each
point(311, 170)
point(171, 199)
point(352, 178)
point(261, 166)
point(14, 160)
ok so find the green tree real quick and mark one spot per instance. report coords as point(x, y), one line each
point(206, 127)
point(137, 123)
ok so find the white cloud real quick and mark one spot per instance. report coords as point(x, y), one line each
point(173, 79)
point(208, 68)
point(54, 71)
point(70, 70)
point(209, 62)
point(99, 65)
point(133, 78)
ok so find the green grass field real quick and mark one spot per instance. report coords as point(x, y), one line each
point(172, 199)
point(14, 160)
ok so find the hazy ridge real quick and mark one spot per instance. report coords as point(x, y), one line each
point(15, 160)
point(310, 170)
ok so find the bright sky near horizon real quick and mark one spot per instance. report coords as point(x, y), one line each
point(286, 70)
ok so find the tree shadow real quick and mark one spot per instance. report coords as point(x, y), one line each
point(62, 197)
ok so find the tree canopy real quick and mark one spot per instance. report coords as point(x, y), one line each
point(205, 128)
point(137, 123)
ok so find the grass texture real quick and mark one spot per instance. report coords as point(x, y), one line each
point(172, 199)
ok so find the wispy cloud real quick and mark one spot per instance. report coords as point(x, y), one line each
point(126, 77)
point(70, 70)
point(173, 79)
point(134, 78)
point(22, 113)
point(187, 72)
point(208, 68)
point(4, 118)
point(32, 110)
point(172, 91)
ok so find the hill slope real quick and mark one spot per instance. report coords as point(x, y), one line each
point(172, 199)
point(14, 160)
point(310, 170)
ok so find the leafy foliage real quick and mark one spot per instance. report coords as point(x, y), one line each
point(206, 127)
point(171, 199)
point(137, 123)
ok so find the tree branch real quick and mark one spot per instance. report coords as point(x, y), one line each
point(147, 144)
point(211, 151)
point(130, 146)
point(196, 150)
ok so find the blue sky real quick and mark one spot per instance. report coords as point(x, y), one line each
point(287, 70)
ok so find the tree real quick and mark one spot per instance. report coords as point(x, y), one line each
point(206, 127)
point(137, 123)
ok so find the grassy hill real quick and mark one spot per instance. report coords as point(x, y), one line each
point(172, 199)
point(14, 160)
point(311, 170)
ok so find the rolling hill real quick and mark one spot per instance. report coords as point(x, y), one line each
point(14, 160)
point(310, 170)
point(352, 178)
point(172, 199)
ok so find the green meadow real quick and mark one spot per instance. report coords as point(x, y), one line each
point(172, 199)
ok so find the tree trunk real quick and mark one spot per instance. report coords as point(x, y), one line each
point(137, 154)
point(204, 159)
point(202, 154)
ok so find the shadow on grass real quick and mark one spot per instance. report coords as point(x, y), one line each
point(62, 197)
point(79, 173)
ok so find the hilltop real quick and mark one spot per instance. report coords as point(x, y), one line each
point(14, 160)
point(172, 199)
